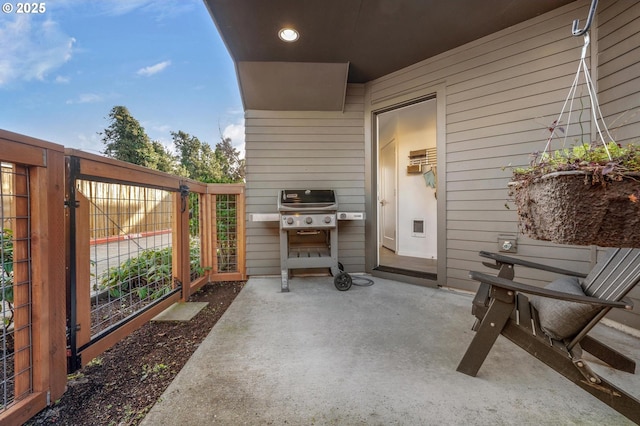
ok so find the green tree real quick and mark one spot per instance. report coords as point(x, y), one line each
point(196, 159)
point(164, 161)
point(231, 163)
point(126, 140)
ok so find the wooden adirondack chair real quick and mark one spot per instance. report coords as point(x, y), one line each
point(547, 325)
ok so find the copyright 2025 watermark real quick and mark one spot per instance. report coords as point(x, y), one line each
point(24, 8)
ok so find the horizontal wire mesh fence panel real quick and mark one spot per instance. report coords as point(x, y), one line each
point(15, 286)
point(227, 232)
point(130, 244)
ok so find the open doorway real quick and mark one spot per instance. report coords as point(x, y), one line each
point(407, 197)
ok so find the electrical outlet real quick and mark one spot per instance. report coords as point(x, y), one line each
point(508, 243)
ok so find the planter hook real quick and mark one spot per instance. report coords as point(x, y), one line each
point(595, 107)
point(592, 11)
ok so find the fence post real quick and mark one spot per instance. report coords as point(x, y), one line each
point(241, 226)
point(48, 276)
point(180, 238)
point(213, 217)
point(206, 229)
point(82, 272)
point(72, 170)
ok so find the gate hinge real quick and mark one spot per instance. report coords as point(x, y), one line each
point(76, 204)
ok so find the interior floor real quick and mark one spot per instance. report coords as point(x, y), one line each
point(418, 264)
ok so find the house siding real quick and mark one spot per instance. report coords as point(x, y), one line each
point(501, 92)
point(619, 91)
point(311, 150)
point(496, 96)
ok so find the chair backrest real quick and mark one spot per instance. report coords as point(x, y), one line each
point(615, 275)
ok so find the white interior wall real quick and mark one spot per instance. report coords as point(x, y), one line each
point(413, 128)
point(416, 200)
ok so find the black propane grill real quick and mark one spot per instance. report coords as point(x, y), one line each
point(309, 233)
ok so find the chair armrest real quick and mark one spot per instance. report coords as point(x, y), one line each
point(539, 291)
point(499, 258)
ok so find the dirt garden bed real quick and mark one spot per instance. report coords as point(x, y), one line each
point(120, 386)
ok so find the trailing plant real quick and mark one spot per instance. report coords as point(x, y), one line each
point(195, 264)
point(610, 163)
point(6, 276)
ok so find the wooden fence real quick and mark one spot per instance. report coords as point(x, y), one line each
point(33, 215)
point(132, 203)
point(128, 231)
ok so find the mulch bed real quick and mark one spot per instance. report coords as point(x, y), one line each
point(121, 385)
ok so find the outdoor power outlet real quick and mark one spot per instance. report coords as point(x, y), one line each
point(508, 243)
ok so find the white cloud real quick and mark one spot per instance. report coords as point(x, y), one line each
point(235, 132)
point(91, 143)
point(31, 48)
point(62, 79)
point(153, 69)
point(168, 145)
point(164, 128)
point(122, 7)
point(86, 98)
point(160, 9)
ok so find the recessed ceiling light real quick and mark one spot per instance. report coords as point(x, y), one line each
point(288, 35)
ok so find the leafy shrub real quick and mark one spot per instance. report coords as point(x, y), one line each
point(150, 267)
point(149, 274)
point(6, 257)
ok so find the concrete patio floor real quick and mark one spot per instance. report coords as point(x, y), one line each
point(380, 355)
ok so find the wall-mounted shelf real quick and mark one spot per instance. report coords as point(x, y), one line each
point(419, 159)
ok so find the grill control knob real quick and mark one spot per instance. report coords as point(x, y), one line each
point(308, 220)
point(327, 219)
point(290, 220)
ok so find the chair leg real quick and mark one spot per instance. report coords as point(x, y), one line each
point(605, 391)
point(609, 355)
point(492, 324)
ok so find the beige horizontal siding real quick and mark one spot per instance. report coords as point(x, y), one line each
point(305, 149)
point(619, 91)
point(502, 92)
point(619, 68)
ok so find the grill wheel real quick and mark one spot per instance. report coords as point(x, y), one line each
point(342, 281)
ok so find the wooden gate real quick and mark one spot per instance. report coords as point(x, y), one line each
point(139, 241)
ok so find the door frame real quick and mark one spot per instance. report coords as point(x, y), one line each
point(372, 109)
point(383, 195)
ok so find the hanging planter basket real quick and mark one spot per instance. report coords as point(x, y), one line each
point(570, 208)
point(588, 194)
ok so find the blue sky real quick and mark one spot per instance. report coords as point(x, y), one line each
point(62, 71)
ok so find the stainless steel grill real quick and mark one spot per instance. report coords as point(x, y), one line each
point(309, 233)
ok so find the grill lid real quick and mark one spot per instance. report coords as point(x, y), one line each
point(304, 199)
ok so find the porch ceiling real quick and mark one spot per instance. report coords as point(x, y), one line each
point(374, 37)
